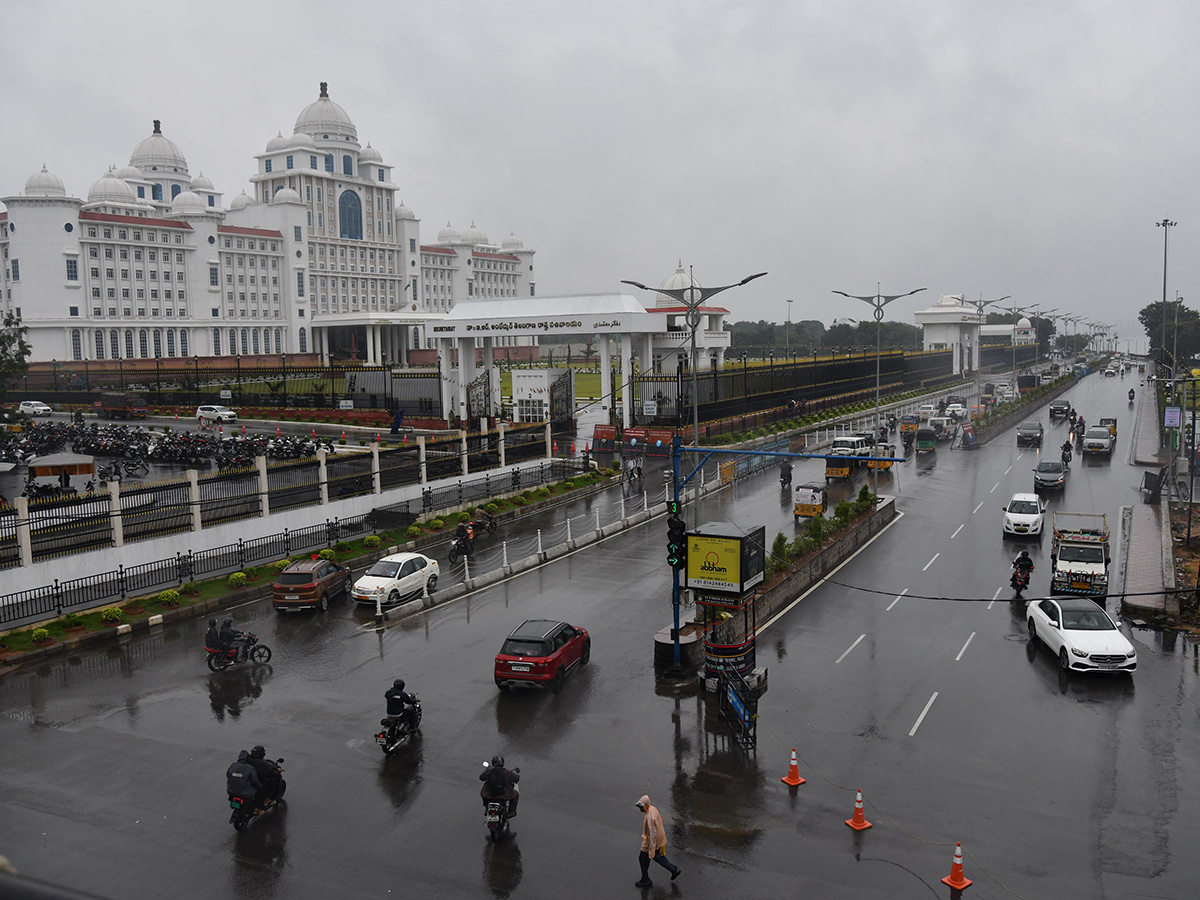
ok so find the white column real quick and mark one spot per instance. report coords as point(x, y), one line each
point(626, 368)
point(489, 366)
point(605, 374)
point(444, 346)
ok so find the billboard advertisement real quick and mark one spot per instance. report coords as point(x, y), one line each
point(723, 559)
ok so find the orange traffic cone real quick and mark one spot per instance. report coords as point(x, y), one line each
point(377, 437)
point(793, 776)
point(243, 429)
point(859, 822)
point(572, 448)
point(343, 434)
point(176, 417)
point(556, 448)
point(956, 879)
point(406, 439)
point(314, 432)
point(220, 429)
point(277, 432)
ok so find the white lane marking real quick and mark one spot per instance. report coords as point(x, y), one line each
point(848, 649)
point(994, 486)
point(897, 600)
point(964, 647)
point(976, 509)
point(957, 530)
point(921, 717)
point(775, 618)
point(930, 563)
point(1009, 469)
point(995, 595)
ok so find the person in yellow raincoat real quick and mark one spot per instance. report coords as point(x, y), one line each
point(654, 843)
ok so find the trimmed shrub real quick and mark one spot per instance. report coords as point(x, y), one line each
point(342, 547)
point(491, 509)
point(280, 564)
point(779, 552)
point(112, 614)
point(191, 588)
point(72, 620)
point(169, 597)
point(519, 501)
point(237, 580)
point(40, 636)
point(464, 517)
point(371, 541)
point(328, 553)
point(437, 524)
point(412, 532)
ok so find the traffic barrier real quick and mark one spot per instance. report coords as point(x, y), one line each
point(956, 879)
point(793, 776)
point(859, 822)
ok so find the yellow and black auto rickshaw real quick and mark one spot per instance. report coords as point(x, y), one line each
point(1110, 422)
point(839, 467)
point(809, 501)
point(882, 450)
point(927, 440)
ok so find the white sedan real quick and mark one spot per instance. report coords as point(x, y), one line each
point(34, 408)
point(1081, 634)
point(401, 576)
point(1025, 514)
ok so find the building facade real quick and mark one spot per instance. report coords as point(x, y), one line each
point(322, 258)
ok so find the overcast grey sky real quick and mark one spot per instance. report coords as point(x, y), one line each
point(1022, 148)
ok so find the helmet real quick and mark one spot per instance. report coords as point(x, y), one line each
point(212, 623)
point(258, 752)
point(398, 684)
point(228, 620)
point(498, 761)
point(1024, 554)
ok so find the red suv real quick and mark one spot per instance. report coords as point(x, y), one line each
point(309, 583)
point(540, 652)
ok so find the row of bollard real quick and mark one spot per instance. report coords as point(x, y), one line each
point(956, 879)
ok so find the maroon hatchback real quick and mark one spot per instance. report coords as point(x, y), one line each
point(309, 583)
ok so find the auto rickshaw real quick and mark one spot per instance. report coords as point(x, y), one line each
point(809, 501)
point(839, 467)
point(1110, 422)
point(909, 425)
point(882, 450)
point(927, 440)
point(1141, 367)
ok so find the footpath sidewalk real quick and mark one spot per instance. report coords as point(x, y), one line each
point(1148, 566)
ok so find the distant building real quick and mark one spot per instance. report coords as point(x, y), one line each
point(953, 324)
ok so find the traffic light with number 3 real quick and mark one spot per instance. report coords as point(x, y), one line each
point(676, 543)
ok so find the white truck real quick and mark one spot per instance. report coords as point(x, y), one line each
point(1079, 556)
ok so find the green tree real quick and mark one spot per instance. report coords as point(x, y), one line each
point(1183, 339)
point(14, 353)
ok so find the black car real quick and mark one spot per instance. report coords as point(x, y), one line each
point(1050, 475)
point(1060, 409)
point(1029, 433)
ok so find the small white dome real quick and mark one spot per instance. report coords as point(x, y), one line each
point(370, 154)
point(188, 202)
point(110, 189)
point(403, 212)
point(1024, 323)
point(950, 300)
point(158, 151)
point(677, 280)
point(44, 184)
point(286, 195)
point(279, 142)
point(130, 173)
point(474, 235)
point(449, 235)
point(512, 242)
point(301, 141)
point(241, 201)
point(323, 116)
point(200, 183)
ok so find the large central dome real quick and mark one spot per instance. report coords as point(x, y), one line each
point(323, 117)
point(158, 151)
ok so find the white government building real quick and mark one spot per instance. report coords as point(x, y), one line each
point(323, 258)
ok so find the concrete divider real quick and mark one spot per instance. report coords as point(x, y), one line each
point(487, 578)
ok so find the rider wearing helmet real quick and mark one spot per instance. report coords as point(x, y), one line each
point(212, 637)
point(1023, 563)
point(399, 701)
point(231, 638)
point(499, 783)
point(268, 774)
point(1131, 395)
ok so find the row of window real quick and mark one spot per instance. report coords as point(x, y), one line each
point(111, 294)
point(98, 312)
point(144, 338)
point(249, 343)
point(122, 233)
point(248, 244)
point(138, 274)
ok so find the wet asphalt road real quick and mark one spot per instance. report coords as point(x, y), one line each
point(1057, 786)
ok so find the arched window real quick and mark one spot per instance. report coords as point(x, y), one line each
point(233, 342)
point(183, 342)
point(157, 342)
point(303, 341)
point(129, 344)
point(114, 344)
point(278, 340)
point(143, 345)
point(350, 216)
point(76, 344)
point(156, 191)
point(216, 342)
point(170, 342)
point(175, 189)
point(99, 345)
point(347, 165)
point(254, 341)
point(245, 342)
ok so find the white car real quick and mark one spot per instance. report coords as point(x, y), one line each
point(1024, 515)
point(957, 411)
point(926, 410)
point(34, 408)
point(1098, 440)
point(401, 576)
point(1081, 634)
point(216, 414)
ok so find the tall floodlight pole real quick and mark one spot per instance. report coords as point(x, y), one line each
point(878, 301)
point(1166, 225)
point(693, 297)
point(787, 331)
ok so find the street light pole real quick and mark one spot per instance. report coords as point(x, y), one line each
point(979, 305)
point(1166, 225)
point(878, 301)
point(787, 331)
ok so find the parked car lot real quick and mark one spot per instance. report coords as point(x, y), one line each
point(540, 652)
point(309, 583)
point(1081, 634)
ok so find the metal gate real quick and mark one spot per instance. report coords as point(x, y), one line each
point(562, 402)
point(479, 396)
